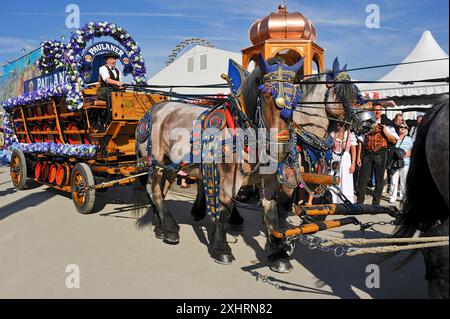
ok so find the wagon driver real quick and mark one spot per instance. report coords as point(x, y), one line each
point(110, 77)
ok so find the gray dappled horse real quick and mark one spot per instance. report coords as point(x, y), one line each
point(265, 109)
point(338, 97)
point(427, 195)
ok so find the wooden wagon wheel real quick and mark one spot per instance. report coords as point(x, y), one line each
point(83, 197)
point(18, 169)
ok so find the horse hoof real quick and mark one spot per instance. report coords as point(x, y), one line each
point(225, 259)
point(159, 233)
point(282, 266)
point(171, 238)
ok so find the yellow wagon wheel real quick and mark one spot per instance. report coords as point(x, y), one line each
point(18, 170)
point(83, 194)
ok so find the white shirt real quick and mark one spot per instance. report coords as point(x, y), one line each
point(104, 73)
point(389, 129)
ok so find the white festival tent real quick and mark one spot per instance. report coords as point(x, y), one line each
point(418, 95)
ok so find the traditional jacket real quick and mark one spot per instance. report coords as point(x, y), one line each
point(113, 75)
point(375, 141)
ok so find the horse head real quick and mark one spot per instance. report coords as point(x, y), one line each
point(343, 98)
point(270, 99)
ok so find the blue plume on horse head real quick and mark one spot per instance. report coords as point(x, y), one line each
point(264, 66)
point(297, 66)
point(336, 70)
point(336, 66)
point(344, 69)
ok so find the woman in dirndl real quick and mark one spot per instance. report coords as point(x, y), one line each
point(344, 161)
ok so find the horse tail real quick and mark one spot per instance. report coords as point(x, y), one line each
point(141, 196)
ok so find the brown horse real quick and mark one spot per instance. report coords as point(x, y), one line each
point(337, 96)
point(269, 97)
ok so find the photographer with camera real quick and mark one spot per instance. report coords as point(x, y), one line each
point(376, 145)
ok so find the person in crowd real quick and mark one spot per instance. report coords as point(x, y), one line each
point(359, 149)
point(399, 173)
point(398, 119)
point(376, 145)
point(344, 160)
point(413, 130)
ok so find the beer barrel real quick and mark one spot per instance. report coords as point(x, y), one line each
point(46, 172)
point(52, 173)
point(48, 137)
point(48, 109)
point(38, 110)
point(41, 175)
point(73, 138)
point(62, 175)
point(37, 171)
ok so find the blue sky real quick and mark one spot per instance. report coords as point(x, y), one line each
point(159, 25)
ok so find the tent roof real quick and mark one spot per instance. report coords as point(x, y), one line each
point(426, 49)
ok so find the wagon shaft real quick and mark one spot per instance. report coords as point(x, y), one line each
point(344, 209)
point(316, 227)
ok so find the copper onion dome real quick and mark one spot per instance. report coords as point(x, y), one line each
point(282, 25)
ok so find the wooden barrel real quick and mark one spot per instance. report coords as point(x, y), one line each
point(38, 110)
point(37, 171)
point(52, 173)
point(46, 172)
point(48, 137)
point(29, 112)
point(62, 175)
point(73, 138)
point(48, 109)
point(42, 176)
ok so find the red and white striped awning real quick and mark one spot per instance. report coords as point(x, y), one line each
point(373, 95)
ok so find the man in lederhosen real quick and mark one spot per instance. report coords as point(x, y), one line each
point(110, 78)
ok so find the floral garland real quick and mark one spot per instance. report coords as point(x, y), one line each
point(35, 96)
point(78, 150)
point(9, 137)
point(53, 56)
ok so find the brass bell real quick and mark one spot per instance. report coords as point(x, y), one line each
point(280, 101)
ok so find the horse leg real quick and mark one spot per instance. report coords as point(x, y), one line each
point(166, 227)
point(236, 219)
point(437, 264)
point(198, 211)
point(275, 249)
point(220, 250)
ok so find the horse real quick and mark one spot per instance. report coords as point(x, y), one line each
point(268, 95)
point(426, 208)
point(334, 89)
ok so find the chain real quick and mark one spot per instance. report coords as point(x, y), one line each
point(265, 279)
point(316, 243)
point(369, 225)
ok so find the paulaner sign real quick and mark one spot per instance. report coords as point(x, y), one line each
point(104, 47)
point(52, 79)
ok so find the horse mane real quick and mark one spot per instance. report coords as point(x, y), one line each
point(250, 92)
point(306, 87)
